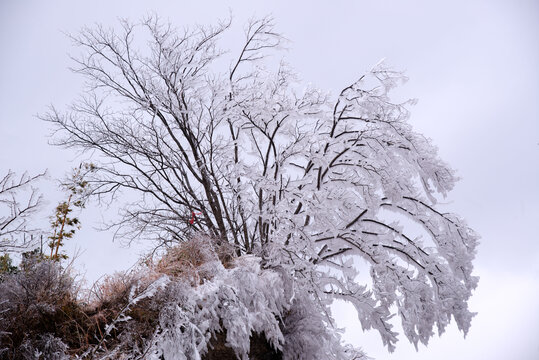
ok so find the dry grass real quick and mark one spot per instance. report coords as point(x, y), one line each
point(192, 259)
point(43, 300)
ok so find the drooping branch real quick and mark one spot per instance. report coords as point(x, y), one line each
point(286, 174)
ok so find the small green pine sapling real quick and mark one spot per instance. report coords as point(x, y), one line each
point(64, 226)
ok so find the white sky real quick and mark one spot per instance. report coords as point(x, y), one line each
point(473, 65)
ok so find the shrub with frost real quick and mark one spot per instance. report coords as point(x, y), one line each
point(225, 313)
point(35, 303)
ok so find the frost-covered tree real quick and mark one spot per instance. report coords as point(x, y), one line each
point(309, 183)
point(17, 204)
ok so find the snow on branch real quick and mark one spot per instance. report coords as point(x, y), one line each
point(289, 174)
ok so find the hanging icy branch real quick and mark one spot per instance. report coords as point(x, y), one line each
point(294, 176)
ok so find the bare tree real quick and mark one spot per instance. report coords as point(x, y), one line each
point(305, 181)
point(15, 230)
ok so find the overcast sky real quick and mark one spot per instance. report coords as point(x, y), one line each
point(473, 65)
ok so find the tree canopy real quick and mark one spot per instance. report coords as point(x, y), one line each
point(301, 179)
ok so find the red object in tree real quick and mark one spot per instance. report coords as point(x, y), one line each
point(192, 220)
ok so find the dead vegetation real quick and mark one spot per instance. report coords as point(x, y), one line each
point(192, 261)
point(42, 312)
